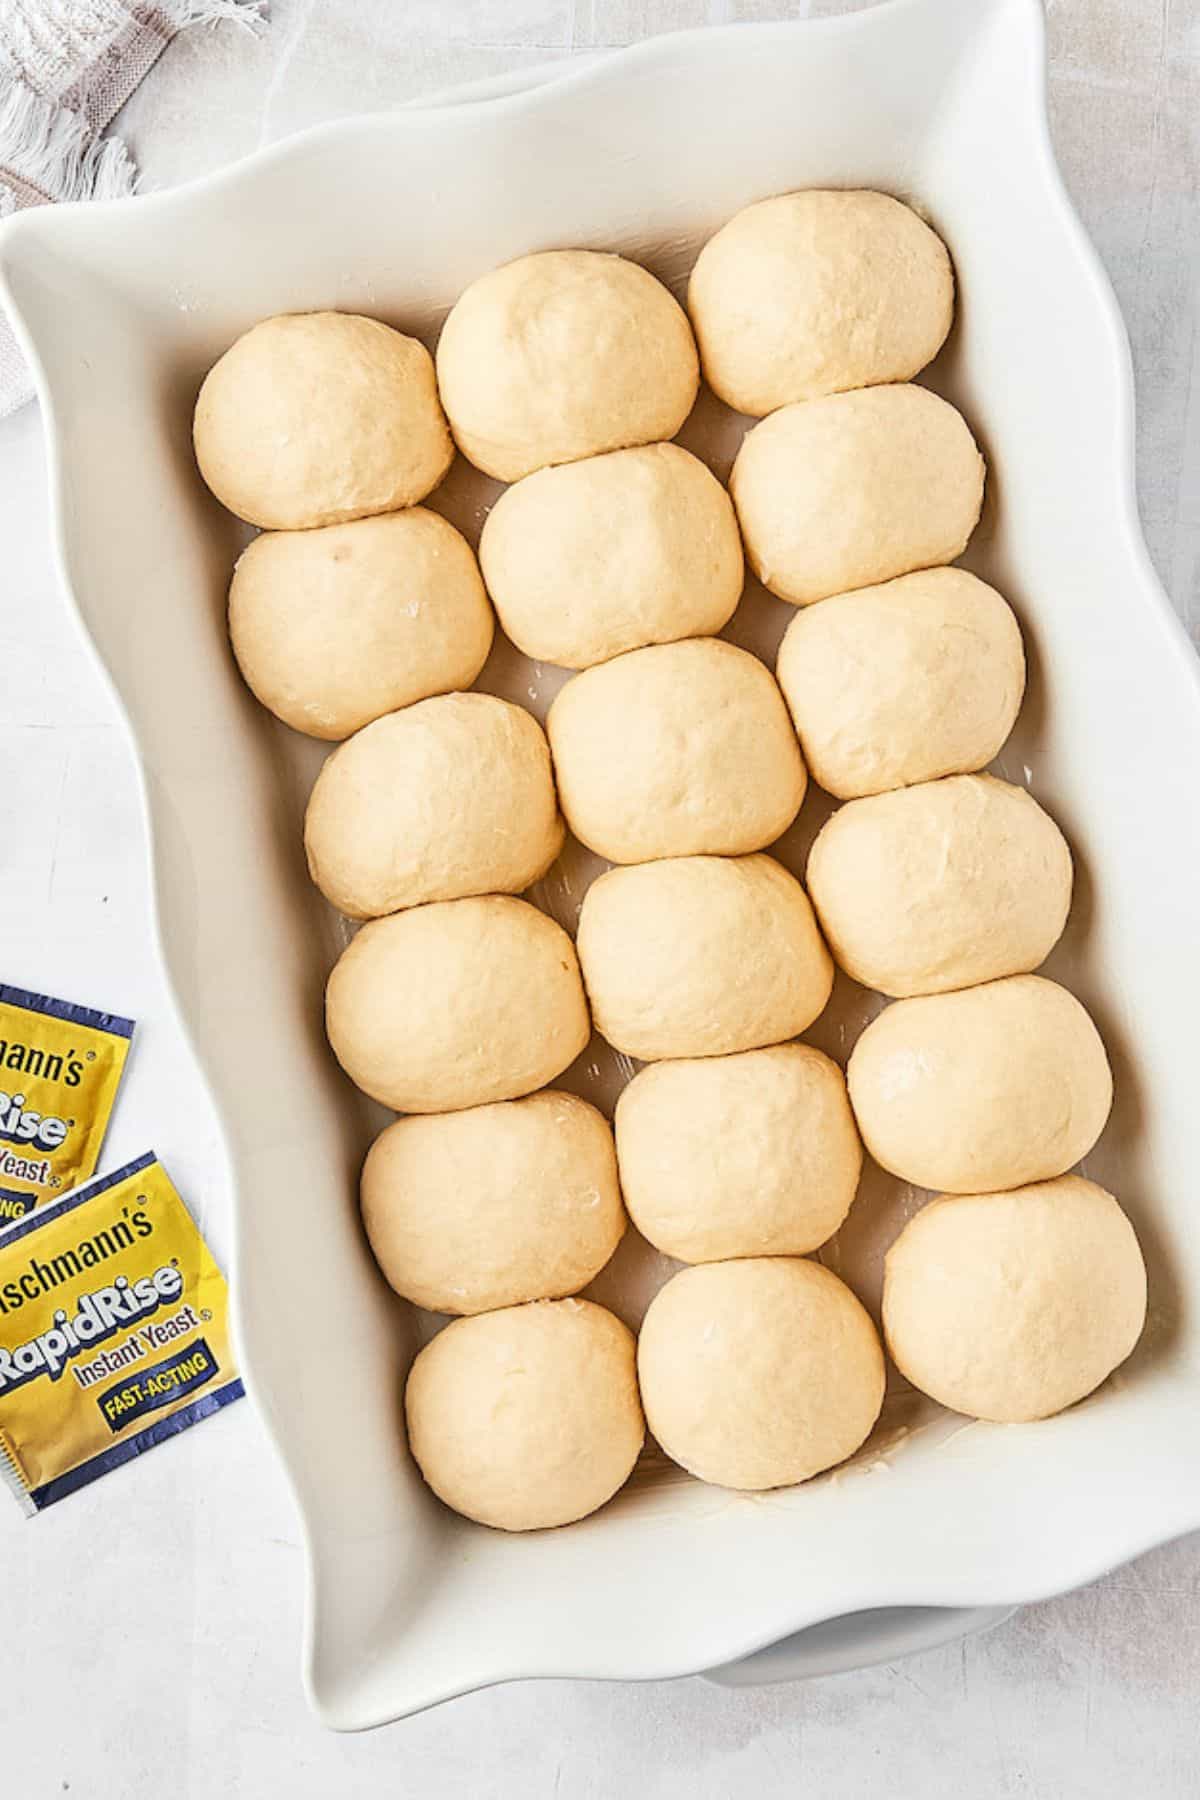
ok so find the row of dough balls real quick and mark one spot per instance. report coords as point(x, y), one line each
point(753, 1154)
point(841, 493)
point(570, 353)
point(765, 1371)
point(753, 1374)
point(335, 627)
point(686, 749)
point(463, 1002)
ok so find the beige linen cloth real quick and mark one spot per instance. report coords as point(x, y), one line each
point(66, 69)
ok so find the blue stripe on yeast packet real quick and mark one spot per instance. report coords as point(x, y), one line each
point(116, 1454)
point(67, 1010)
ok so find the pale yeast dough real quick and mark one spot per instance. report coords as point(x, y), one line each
point(596, 557)
point(749, 1155)
point(313, 418)
point(940, 886)
point(984, 1089)
point(335, 627)
point(701, 956)
point(561, 355)
point(456, 1004)
point(468, 1211)
point(813, 292)
point(759, 1373)
point(1011, 1306)
point(677, 750)
point(854, 489)
point(919, 677)
point(527, 1417)
point(450, 797)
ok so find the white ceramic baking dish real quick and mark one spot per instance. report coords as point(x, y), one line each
point(123, 306)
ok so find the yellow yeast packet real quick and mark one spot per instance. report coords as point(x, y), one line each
point(60, 1068)
point(114, 1332)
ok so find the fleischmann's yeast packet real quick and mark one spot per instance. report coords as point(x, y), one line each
point(60, 1068)
point(113, 1332)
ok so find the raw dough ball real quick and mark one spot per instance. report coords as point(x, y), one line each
point(984, 1089)
point(335, 627)
point(810, 293)
point(701, 956)
point(562, 355)
point(529, 1416)
point(676, 750)
point(760, 1373)
point(600, 556)
point(749, 1155)
point(853, 489)
point(1011, 1306)
point(456, 1004)
point(450, 797)
point(312, 418)
point(485, 1208)
point(918, 678)
point(940, 886)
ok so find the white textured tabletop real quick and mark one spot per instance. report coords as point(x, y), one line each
point(149, 1630)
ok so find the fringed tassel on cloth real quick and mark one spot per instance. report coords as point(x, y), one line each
point(49, 153)
point(212, 12)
